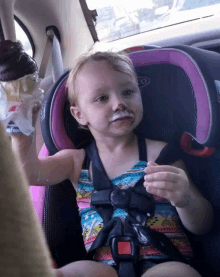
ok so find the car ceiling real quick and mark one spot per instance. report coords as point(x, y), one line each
point(68, 17)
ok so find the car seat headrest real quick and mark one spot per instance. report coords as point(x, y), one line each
point(179, 87)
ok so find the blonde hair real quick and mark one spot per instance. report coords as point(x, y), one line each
point(119, 61)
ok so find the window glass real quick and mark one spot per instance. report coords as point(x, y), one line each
point(21, 35)
point(121, 18)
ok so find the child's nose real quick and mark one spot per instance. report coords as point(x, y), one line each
point(118, 103)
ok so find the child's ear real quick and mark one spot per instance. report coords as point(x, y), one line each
point(77, 114)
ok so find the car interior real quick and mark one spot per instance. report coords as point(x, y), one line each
point(175, 48)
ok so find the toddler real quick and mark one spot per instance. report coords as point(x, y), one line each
point(105, 99)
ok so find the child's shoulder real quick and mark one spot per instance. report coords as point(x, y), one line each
point(154, 147)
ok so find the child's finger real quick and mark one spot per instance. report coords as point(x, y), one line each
point(158, 192)
point(162, 168)
point(35, 111)
point(169, 186)
point(151, 163)
point(36, 107)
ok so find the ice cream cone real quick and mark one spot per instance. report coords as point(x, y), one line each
point(19, 87)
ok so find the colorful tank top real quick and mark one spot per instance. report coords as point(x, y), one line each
point(165, 220)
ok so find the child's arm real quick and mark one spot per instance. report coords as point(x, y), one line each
point(54, 168)
point(197, 215)
point(45, 170)
point(57, 168)
point(172, 183)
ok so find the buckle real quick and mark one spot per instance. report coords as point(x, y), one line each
point(100, 198)
point(120, 198)
point(124, 248)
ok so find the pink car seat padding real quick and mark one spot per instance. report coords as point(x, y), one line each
point(182, 59)
point(61, 142)
point(38, 192)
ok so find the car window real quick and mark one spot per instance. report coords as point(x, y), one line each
point(122, 18)
point(22, 35)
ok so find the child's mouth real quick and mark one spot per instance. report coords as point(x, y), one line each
point(122, 118)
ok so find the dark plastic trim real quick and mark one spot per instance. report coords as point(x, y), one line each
point(90, 17)
point(55, 31)
point(1, 32)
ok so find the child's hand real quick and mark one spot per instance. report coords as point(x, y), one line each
point(168, 182)
point(35, 111)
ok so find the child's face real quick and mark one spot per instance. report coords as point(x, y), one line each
point(102, 94)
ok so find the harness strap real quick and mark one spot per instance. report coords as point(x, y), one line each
point(100, 177)
point(126, 269)
point(159, 241)
point(103, 237)
point(52, 47)
point(103, 201)
point(171, 152)
point(138, 234)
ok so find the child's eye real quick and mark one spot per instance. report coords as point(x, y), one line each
point(129, 91)
point(100, 99)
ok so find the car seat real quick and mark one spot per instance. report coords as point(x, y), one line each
point(182, 84)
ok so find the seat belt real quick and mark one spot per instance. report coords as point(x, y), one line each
point(52, 46)
point(140, 207)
